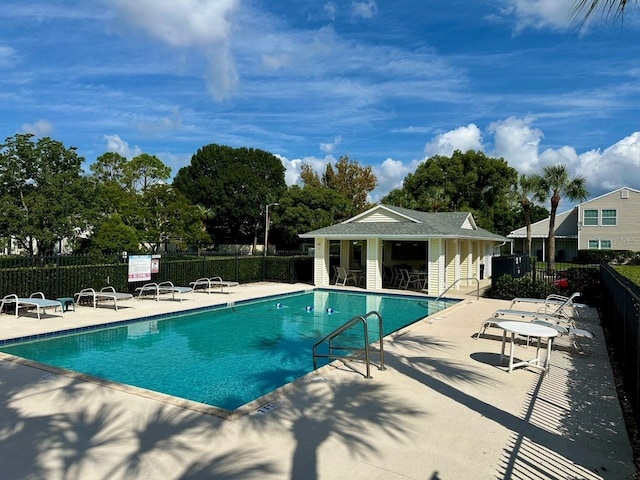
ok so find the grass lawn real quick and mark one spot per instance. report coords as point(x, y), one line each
point(632, 272)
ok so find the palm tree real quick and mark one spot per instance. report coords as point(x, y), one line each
point(555, 184)
point(608, 6)
point(528, 189)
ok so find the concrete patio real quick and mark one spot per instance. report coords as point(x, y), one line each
point(443, 409)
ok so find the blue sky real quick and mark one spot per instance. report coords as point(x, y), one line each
point(388, 83)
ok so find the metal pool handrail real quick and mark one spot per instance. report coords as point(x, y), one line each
point(459, 280)
point(344, 327)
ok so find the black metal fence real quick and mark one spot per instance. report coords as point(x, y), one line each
point(62, 276)
point(620, 316)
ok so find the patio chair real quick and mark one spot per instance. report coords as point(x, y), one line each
point(344, 276)
point(335, 276)
point(157, 289)
point(410, 279)
point(209, 284)
point(36, 300)
point(106, 293)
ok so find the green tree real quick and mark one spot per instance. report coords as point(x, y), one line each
point(166, 216)
point(400, 197)
point(555, 184)
point(304, 209)
point(234, 184)
point(144, 171)
point(528, 189)
point(113, 236)
point(347, 177)
point(44, 197)
point(109, 167)
point(468, 181)
point(133, 195)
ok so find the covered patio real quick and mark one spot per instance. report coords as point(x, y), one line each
point(444, 249)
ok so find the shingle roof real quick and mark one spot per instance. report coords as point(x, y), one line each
point(413, 224)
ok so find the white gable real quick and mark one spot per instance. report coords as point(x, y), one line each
point(381, 217)
point(469, 224)
point(379, 214)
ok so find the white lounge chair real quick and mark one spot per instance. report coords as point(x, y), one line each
point(553, 306)
point(551, 303)
point(36, 300)
point(209, 284)
point(157, 289)
point(105, 293)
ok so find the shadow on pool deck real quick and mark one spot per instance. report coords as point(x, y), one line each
point(444, 408)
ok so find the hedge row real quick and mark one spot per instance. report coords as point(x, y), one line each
point(57, 281)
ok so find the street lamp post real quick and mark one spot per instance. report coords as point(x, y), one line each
point(266, 227)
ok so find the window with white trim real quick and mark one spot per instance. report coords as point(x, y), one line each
point(590, 217)
point(609, 217)
point(599, 244)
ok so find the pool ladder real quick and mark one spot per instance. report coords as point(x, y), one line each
point(343, 328)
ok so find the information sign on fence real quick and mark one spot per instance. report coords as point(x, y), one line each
point(139, 268)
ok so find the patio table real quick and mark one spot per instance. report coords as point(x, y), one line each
point(530, 330)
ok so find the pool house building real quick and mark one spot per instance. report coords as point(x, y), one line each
point(448, 248)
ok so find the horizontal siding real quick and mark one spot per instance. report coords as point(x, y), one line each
point(381, 217)
point(626, 234)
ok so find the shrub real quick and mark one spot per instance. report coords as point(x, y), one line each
point(606, 256)
point(587, 282)
point(506, 288)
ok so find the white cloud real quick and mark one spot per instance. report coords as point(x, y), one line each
point(331, 147)
point(390, 174)
point(616, 166)
point(275, 62)
point(181, 23)
point(7, 56)
point(364, 9)
point(517, 142)
point(540, 13)
point(118, 145)
point(293, 167)
point(41, 128)
point(330, 9)
point(221, 75)
point(462, 138)
point(204, 25)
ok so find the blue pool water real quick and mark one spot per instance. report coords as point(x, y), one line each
point(224, 357)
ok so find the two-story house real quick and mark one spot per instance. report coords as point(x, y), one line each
point(608, 222)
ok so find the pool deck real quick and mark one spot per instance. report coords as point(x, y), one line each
point(443, 409)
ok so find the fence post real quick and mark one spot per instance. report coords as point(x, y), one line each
point(58, 279)
point(237, 263)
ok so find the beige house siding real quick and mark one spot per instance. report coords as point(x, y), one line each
point(625, 235)
point(436, 266)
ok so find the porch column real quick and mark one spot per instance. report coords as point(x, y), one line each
point(374, 264)
point(436, 264)
point(453, 262)
point(466, 265)
point(345, 254)
point(321, 274)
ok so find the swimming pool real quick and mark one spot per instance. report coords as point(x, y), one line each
point(223, 357)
